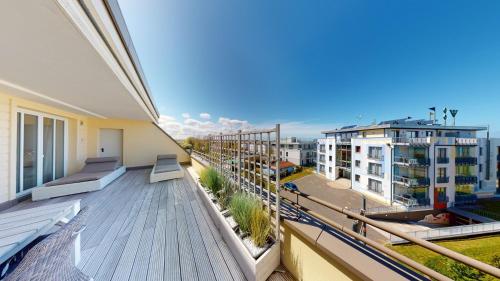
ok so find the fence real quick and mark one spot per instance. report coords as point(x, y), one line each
point(450, 232)
point(246, 158)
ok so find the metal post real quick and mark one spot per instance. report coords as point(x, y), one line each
point(269, 173)
point(277, 183)
point(260, 167)
point(220, 156)
point(254, 164)
point(239, 159)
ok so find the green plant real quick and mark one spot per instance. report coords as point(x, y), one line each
point(260, 226)
point(211, 180)
point(241, 208)
point(460, 271)
point(225, 193)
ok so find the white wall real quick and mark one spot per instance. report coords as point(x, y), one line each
point(362, 185)
point(4, 148)
point(327, 142)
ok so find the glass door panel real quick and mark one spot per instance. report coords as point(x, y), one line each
point(48, 150)
point(59, 149)
point(30, 151)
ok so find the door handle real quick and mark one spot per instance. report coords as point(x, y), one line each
point(102, 149)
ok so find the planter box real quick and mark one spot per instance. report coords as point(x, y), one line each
point(254, 269)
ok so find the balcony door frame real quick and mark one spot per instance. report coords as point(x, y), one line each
point(40, 142)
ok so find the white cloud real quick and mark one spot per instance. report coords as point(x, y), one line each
point(205, 115)
point(186, 115)
point(197, 128)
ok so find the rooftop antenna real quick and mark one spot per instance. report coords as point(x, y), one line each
point(432, 114)
point(453, 113)
point(445, 116)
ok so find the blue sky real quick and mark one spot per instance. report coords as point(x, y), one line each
point(317, 65)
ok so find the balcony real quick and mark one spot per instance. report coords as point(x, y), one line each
point(408, 161)
point(412, 181)
point(465, 141)
point(442, 160)
point(322, 150)
point(442, 179)
point(466, 160)
point(375, 173)
point(409, 200)
point(465, 179)
point(412, 141)
point(376, 157)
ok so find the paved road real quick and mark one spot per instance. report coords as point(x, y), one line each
point(336, 194)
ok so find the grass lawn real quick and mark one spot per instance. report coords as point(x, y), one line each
point(305, 172)
point(485, 249)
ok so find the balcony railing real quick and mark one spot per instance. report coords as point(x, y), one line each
point(465, 180)
point(322, 150)
point(466, 160)
point(405, 160)
point(408, 200)
point(443, 160)
point(377, 157)
point(466, 141)
point(412, 141)
point(412, 182)
point(442, 179)
point(375, 173)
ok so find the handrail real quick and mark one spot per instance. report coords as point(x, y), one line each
point(428, 245)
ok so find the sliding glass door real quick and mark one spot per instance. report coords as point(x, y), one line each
point(41, 149)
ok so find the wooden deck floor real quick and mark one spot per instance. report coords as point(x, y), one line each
point(141, 231)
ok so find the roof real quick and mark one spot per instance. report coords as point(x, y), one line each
point(405, 126)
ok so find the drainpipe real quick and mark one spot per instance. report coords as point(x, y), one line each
point(488, 144)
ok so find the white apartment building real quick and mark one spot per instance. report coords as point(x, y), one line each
point(299, 152)
point(413, 162)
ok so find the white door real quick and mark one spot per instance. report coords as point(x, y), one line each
point(111, 143)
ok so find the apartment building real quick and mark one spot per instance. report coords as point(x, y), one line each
point(299, 152)
point(412, 162)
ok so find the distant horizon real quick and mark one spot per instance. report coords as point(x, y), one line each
point(315, 67)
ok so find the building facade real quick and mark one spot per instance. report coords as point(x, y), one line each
point(413, 163)
point(299, 152)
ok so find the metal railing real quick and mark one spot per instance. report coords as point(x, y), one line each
point(466, 160)
point(442, 179)
point(443, 160)
point(412, 182)
point(382, 248)
point(375, 173)
point(393, 209)
point(412, 141)
point(246, 159)
point(412, 161)
point(449, 232)
point(466, 141)
point(377, 157)
point(465, 179)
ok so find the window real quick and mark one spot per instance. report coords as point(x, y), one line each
point(375, 169)
point(480, 151)
point(330, 158)
point(442, 152)
point(375, 186)
point(480, 168)
point(286, 154)
point(330, 169)
point(330, 147)
point(375, 152)
point(357, 177)
point(358, 149)
point(442, 172)
point(357, 163)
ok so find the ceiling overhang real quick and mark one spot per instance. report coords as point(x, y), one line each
point(72, 55)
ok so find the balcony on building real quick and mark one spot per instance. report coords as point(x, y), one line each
point(409, 141)
point(411, 197)
point(411, 161)
point(442, 180)
point(442, 160)
point(376, 173)
point(460, 180)
point(376, 156)
point(412, 181)
point(466, 160)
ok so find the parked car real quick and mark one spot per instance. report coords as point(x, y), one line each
point(291, 186)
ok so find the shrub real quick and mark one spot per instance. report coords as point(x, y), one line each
point(260, 226)
point(461, 271)
point(211, 180)
point(241, 208)
point(225, 193)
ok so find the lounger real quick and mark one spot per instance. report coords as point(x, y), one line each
point(166, 168)
point(97, 173)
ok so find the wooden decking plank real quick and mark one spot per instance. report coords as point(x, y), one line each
point(202, 261)
point(231, 262)
point(127, 258)
point(157, 258)
point(92, 267)
point(185, 252)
